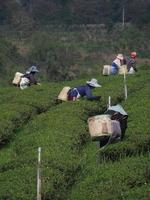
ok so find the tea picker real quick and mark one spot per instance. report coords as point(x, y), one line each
point(25, 80)
point(118, 113)
point(109, 127)
point(73, 94)
point(131, 63)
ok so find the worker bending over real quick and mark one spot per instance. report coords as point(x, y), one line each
point(85, 90)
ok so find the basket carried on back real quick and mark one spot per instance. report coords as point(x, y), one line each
point(17, 78)
point(102, 125)
point(106, 70)
point(63, 95)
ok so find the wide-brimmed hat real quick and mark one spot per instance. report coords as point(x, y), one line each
point(32, 69)
point(93, 82)
point(120, 56)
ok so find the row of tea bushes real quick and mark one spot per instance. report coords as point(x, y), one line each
point(18, 107)
point(91, 184)
point(137, 137)
point(119, 180)
point(62, 133)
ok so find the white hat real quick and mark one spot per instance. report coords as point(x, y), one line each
point(32, 69)
point(120, 56)
point(93, 82)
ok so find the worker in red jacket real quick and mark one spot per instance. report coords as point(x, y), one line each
point(131, 62)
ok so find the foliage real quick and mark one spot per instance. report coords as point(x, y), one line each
point(68, 155)
point(102, 178)
point(8, 53)
point(19, 109)
point(24, 14)
point(113, 180)
point(66, 55)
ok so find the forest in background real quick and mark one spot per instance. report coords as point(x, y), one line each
point(24, 14)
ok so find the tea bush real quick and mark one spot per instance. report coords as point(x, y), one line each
point(114, 180)
point(58, 135)
point(18, 106)
point(61, 130)
point(91, 184)
point(138, 193)
point(137, 135)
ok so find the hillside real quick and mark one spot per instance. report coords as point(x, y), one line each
point(63, 54)
point(73, 167)
point(69, 41)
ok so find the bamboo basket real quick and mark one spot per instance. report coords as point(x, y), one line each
point(63, 95)
point(17, 78)
point(106, 70)
point(102, 125)
point(99, 125)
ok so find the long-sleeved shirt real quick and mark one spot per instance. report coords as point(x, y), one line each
point(116, 63)
point(83, 91)
point(115, 66)
point(130, 62)
point(31, 78)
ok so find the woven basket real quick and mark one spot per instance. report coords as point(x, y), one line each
point(63, 95)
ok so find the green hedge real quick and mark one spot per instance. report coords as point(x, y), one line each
point(18, 107)
point(62, 133)
point(137, 138)
point(114, 180)
point(136, 142)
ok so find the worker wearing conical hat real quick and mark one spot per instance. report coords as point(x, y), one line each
point(85, 90)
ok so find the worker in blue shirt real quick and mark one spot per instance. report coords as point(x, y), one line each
point(85, 90)
point(116, 64)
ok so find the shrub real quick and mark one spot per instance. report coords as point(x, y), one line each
point(68, 154)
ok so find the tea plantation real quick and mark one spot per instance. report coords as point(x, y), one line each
point(73, 167)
